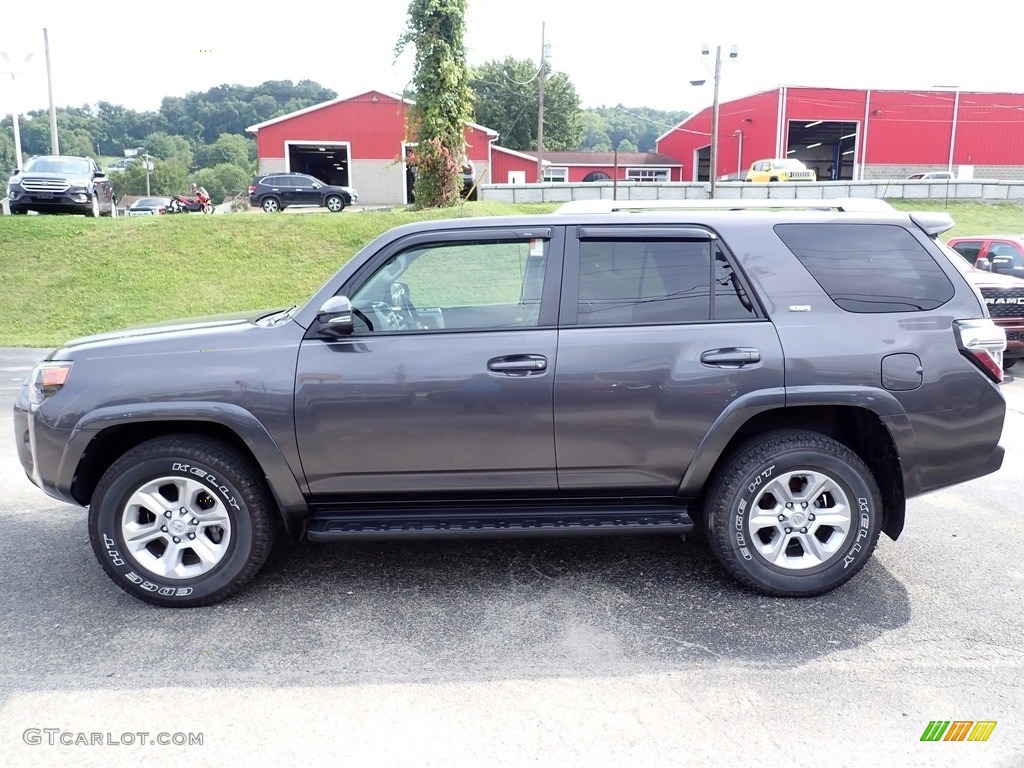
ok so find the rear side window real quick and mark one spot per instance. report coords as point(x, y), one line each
point(641, 282)
point(869, 267)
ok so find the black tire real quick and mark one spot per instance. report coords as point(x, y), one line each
point(774, 178)
point(270, 205)
point(748, 521)
point(18, 211)
point(226, 514)
point(334, 203)
point(1008, 364)
point(93, 211)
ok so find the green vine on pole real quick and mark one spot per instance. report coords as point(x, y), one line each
point(444, 100)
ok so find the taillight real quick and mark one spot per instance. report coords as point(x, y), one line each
point(252, 188)
point(47, 379)
point(983, 343)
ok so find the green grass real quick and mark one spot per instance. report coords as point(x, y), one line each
point(67, 276)
point(64, 276)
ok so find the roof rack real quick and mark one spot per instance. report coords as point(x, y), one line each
point(851, 204)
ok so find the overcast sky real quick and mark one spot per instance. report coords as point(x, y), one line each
point(643, 54)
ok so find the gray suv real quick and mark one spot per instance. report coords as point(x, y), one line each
point(783, 380)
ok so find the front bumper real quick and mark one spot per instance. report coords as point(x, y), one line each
point(40, 449)
point(70, 201)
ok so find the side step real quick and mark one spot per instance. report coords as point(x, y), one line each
point(512, 522)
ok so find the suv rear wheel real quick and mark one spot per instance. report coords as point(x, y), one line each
point(271, 204)
point(180, 521)
point(793, 513)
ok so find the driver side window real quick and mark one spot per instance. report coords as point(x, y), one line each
point(478, 285)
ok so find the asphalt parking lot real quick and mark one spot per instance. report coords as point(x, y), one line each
point(637, 651)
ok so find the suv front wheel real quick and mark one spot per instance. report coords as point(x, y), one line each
point(180, 521)
point(793, 513)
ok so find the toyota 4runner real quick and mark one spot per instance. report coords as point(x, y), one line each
point(782, 379)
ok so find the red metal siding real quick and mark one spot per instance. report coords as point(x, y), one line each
point(903, 127)
point(756, 116)
point(990, 129)
point(374, 123)
point(503, 162)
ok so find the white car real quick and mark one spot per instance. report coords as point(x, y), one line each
point(931, 176)
point(148, 206)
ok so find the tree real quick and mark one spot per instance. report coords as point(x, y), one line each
point(222, 181)
point(607, 127)
point(166, 178)
point(443, 99)
point(228, 148)
point(508, 100)
point(167, 147)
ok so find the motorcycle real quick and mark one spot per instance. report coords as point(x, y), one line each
point(183, 204)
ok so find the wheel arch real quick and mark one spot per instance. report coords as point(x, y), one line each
point(859, 428)
point(100, 439)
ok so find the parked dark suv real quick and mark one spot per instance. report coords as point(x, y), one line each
point(785, 380)
point(274, 192)
point(61, 184)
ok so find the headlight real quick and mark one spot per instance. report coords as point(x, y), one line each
point(47, 379)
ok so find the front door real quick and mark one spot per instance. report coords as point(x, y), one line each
point(446, 384)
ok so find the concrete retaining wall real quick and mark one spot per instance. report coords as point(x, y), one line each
point(980, 190)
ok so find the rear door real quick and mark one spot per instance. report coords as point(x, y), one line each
point(659, 336)
point(300, 191)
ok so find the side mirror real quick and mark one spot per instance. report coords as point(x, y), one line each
point(99, 175)
point(1002, 264)
point(335, 317)
point(16, 171)
point(984, 265)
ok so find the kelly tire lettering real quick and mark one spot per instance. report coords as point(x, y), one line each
point(181, 521)
point(793, 513)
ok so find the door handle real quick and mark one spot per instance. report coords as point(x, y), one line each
point(518, 365)
point(731, 357)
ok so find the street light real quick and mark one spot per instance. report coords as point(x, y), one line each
point(734, 52)
point(738, 134)
point(15, 70)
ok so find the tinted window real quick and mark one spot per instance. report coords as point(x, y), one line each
point(969, 250)
point(301, 181)
point(467, 285)
point(869, 267)
point(635, 282)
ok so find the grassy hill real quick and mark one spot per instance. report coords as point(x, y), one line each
point(65, 276)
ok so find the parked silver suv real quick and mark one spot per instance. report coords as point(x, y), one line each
point(784, 378)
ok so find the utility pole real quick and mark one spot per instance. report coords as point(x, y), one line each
point(19, 161)
point(714, 121)
point(541, 76)
point(54, 144)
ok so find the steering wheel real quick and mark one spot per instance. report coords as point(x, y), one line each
point(398, 295)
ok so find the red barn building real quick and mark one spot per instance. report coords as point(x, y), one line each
point(359, 141)
point(858, 134)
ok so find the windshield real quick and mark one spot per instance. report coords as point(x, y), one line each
point(792, 165)
point(68, 166)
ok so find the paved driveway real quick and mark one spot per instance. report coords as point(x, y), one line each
point(617, 652)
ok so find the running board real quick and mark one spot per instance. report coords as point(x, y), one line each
point(510, 522)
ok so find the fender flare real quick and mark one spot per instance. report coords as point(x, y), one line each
point(270, 459)
point(877, 401)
